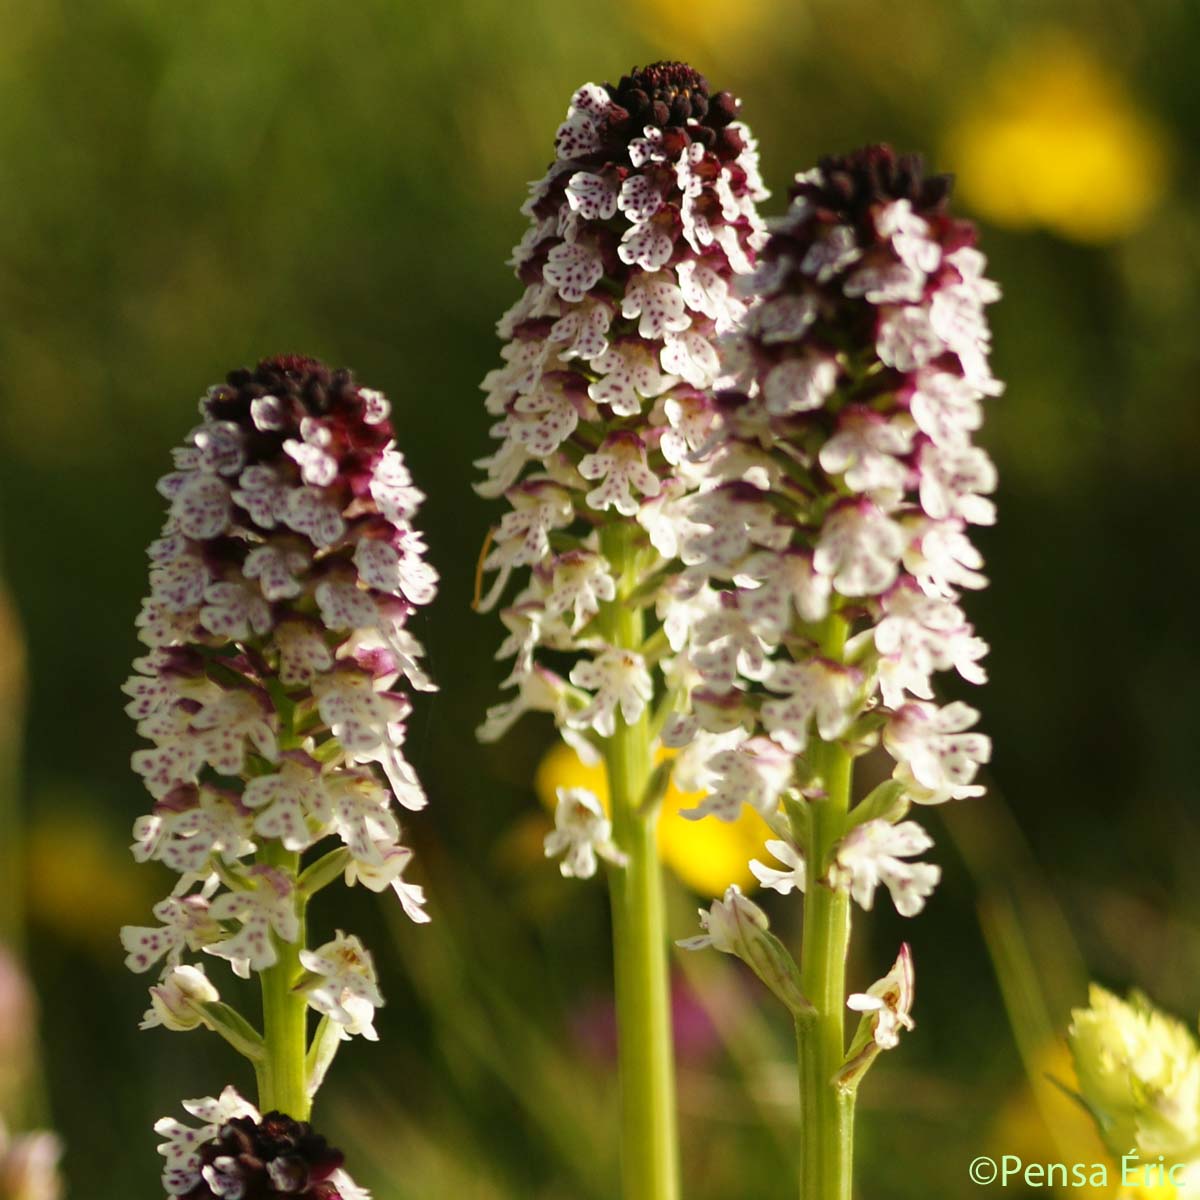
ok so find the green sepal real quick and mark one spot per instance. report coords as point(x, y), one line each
point(563, 543)
point(327, 751)
point(888, 802)
point(285, 706)
point(863, 734)
point(798, 816)
point(323, 872)
point(321, 1053)
point(656, 787)
point(863, 1052)
point(234, 1028)
point(773, 963)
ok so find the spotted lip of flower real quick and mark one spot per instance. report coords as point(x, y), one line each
point(342, 984)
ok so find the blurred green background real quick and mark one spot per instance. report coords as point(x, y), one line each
point(185, 187)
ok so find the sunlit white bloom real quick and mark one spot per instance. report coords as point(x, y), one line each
point(593, 196)
point(186, 836)
point(361, 815)
point(859, 549)
point(176, 1000)
point(907, 339)
point(269, 906)
point(728, 923)
point(815, 690)
point(342, 984)
point(291, 806)
point(628, 376)
point(727, 647)
point(918, 635)
point(784, 586)
point(945, 406)
point(181, 1148)
point(581, 582)
point(187, 924)
point(538, 690)
point(873, 853)
point(616, 679)
point(523, 536)
point(755, 772)
point(937, 756)
point(388, 872)
point(793, 877)
point(621, 466)
point(800, 384)
point(867, 450)
point(573, 268)
point(734, 520)
point(581, 833)
point(658, 303)
point(941, 557)
point(890, 1000)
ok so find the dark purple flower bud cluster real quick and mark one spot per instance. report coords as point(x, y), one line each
point(239, 1154)
point(259, 1160)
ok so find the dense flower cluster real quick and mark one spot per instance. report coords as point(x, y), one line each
point(237, 1153)
point(636, 234)
point(846, 480)
point(1139, 1075)
point(280, 592)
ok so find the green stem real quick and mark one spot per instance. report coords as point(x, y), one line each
point(282, 1078)
point(649, 1148)
point(826, 1110)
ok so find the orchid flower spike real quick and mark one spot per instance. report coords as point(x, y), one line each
point(275, 689)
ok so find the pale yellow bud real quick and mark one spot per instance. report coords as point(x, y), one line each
point(1139, 1072)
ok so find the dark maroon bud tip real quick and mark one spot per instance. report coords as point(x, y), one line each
point(730, 143)
point(852, 184)
point(722, 109)
point(937, 191)
point(672, 97)
point(299, 366)
point(276, 1156)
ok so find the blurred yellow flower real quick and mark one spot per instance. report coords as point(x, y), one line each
point(702, 30)
point(1055, 139)
point(78, 886)
point(707, 855)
